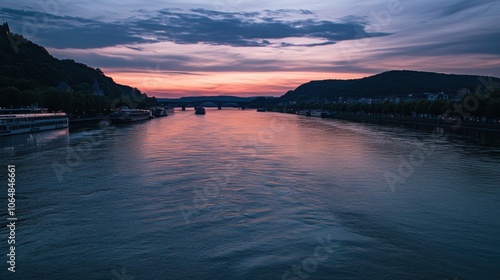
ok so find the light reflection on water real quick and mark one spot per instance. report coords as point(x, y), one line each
point(238, 194)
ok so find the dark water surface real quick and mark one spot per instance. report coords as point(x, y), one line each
point(237, 194)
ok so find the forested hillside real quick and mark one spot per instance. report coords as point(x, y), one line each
point(29, 75)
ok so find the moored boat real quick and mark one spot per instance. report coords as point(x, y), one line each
point(304, 112)
point(162, 111)
point(130, 115)
point(18, 121)
point(159, 112)
point(317, 113)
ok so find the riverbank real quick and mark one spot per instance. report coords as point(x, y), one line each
point(453, 124)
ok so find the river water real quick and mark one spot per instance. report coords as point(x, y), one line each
point(238, 194)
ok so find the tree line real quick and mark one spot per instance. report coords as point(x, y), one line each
point(76, 103)
point(475, 107)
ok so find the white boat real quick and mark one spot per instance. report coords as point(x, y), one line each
point(162, 111)
point(126, 115)
point(159, 112)
point(304, 112)
point(18, 121)
point(317, 113)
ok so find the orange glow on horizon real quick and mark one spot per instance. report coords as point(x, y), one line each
point(167, 69)
point(172, 85)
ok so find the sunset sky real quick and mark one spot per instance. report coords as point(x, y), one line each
point(260, 47)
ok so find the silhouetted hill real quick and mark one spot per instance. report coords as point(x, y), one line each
point(398, 82)
point(28, 66)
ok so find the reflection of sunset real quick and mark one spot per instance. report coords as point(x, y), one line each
point(298, 142)
point(346, 153)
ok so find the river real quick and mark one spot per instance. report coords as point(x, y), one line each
point(239, 194)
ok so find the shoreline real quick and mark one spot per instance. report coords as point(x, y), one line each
point(455, 125)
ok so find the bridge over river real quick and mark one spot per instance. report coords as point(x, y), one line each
point(219, 102)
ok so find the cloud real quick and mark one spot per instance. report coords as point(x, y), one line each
point(68, 32)
point(245, 29)
point(465, 5)
point(127, 57)
point(196, 26)
point(443, 29)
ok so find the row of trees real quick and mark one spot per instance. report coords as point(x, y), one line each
point(77, 103)
point(470, 105)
